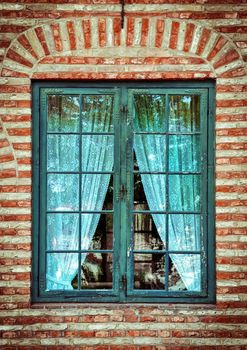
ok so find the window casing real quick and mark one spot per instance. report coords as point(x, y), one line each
point(123, 191)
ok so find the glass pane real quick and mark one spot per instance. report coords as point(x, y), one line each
point(63, 192)
point(184, 232)
point(96, 231)
point(149, 271)
point(184, 113)
point(184, 192)
point(150, 192)
point(97, 152)
point(96, 271)
point(149, 113)
point(184, 153)
point(62, 231)
point(150, 152)
point(185, 272)
point(175, 282)
point(96, 192)
point(149, 231)
point(97, 113)
point(63, 113)
point(62, 153)
point(61, 271)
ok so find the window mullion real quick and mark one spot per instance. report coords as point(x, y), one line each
point(123, 202)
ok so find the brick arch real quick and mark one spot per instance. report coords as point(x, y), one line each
point(96, 48)
point(76, 37)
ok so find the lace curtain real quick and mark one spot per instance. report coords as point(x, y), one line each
point(63, 195)
point(183, 190)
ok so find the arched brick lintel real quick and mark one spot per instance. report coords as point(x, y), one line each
point(144, 37)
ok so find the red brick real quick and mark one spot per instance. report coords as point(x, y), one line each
point(10, 73)
point(102, 32)
point(22, 146)
point(190, 27)
point(230, 189)
point(220, 43)
point(117, 31)
point(40, 35)
point(8, 173)
point(232, 73)
point(130, 31)
point(11, 28)
point(160, 27)
point(57, 37)
point(231, 132)
point(16, 118)
point(232, 29)
point(174, 35)
point(11, 54)
point(203, 40)
point(15, 88)
point(86, 26)
point(19, 131)
point(144, 31)
point(6, 158)
point(71, 34)
point(227, 58)
point(26, 44)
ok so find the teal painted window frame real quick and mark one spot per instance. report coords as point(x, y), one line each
point(123, 163)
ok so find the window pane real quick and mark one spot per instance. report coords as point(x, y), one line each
point(96, 231)
point(96, 192)
point(62, 153)
point(62, 231)
point(184, 113)
point(97, 113)
point(150, 152)
point(149, 231)
point(63, 192)
point(63, 113)
point(150, 191)
point(149, 271)
point(96, 271)
point(185, 272)
point(149, 113)
point(61, 270)
point(184, 192)
point(184, 232)
point(97, 153)
point(175, 282)
point(184, 153)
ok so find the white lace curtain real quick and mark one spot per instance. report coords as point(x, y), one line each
point(97, 156)
point(183, 192)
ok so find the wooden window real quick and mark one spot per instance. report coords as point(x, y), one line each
point(123, 192)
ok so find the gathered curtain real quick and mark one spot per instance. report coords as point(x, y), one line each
point(97, 157)
point(183, 229)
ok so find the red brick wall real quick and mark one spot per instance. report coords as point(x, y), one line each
point(162, 39)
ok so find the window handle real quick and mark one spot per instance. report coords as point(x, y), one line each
point(124, 282)
point(122, 192)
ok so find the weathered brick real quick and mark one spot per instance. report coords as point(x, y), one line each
point(178, 327)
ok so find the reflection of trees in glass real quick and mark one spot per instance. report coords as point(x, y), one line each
point(101, 108)
point(63, 112)
point(150, 112)
point(184, 112)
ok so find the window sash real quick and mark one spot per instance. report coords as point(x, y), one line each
point(123, 176)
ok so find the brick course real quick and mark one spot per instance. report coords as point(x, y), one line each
point(161, 39)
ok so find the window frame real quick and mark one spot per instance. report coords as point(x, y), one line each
point(121, 291)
